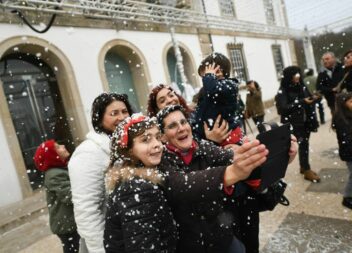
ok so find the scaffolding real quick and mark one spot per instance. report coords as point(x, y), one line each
point(140, 11)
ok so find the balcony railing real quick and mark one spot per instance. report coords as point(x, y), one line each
point(126, 11)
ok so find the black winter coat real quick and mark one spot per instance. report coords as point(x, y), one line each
point(325, 84)
point(218, 97)
point(205, 224)
point(138, 219)
point(344, 137)
point(347, 83)
point(294, 110)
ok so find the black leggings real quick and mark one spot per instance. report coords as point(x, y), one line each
point(70, 242)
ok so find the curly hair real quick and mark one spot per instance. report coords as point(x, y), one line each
point(152, 105)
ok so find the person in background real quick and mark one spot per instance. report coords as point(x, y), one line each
point(240, 113)
point(346, 82)
point(51, 158)
point(310, 80)
point(255, 105)
point(298, 109)
point(219, 96)
point(88, 165)
point(342, 124)
point(329, 77)
point(138, 217)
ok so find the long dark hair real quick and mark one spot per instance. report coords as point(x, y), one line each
point(342, 113)
point(99, 106)
point(256, 84)
point(288, 73)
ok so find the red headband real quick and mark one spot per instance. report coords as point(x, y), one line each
point(132, 120)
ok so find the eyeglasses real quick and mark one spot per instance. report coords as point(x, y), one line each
point(176, 124)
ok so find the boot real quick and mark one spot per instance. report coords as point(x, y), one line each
point(311, 176)
point(347, 202)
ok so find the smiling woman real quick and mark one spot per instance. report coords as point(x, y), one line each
point(88, 165)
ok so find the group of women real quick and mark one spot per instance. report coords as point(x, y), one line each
point(167, 191)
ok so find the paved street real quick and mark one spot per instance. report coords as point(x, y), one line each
point(315, 221)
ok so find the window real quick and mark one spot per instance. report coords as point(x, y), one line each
point(227, 8)
point(269, 12)
point(237, 61)
point(279, 64)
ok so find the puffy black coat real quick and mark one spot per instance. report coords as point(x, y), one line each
point(344, 137)
point(293, 109)
point(218, 97)
point(205, 222)
point(138, 219)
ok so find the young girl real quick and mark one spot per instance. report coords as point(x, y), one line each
point(51, 158)
point(342, 123)
point(138, 218)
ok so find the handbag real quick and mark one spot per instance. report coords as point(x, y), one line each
point(272, 196)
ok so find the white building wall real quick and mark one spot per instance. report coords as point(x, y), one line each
point(82, 46)
point(212, 7)
point(278, 12)
point(250, 10)
point(259, 58)
point(9, 184)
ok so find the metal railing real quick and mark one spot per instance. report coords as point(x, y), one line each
point(126, 11)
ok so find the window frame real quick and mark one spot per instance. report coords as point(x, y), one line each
point(222, 10)
point(239, 47)
point(269, 12)
point(276, 63)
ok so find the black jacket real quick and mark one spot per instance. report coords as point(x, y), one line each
point(325, 84)
point(290, 99)
point(218, 97)
point(138, 219)
point(205, 223)
point(344, 137)
point(347, 82)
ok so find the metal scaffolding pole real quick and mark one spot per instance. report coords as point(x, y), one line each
point(126, 10)
point(308, 51)
point(179, 59)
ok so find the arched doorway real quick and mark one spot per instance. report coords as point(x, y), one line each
point(173, 74)
point(36, 108)
point(125, 70)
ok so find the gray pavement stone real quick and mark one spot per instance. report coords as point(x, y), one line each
point(332, 181)
point(301, 233)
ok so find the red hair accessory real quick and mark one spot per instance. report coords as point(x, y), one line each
point(134, 119)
